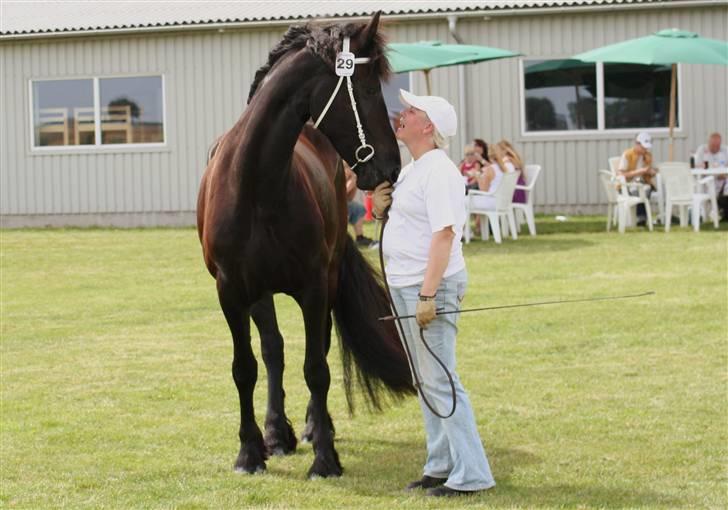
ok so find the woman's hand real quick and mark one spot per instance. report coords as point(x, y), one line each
point(425, 313)
point(381, 198)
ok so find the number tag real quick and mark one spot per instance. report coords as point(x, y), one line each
point(344, 64)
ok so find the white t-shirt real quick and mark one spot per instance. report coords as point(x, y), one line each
point(718, 159)
point(429, 196)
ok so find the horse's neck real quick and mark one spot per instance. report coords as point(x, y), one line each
point(274, 120)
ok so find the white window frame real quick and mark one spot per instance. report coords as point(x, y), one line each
point(97, 147)
point(601, 129)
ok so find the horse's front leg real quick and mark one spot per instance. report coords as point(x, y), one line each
point(314, 305)
point(252, 455)
point(279, 436)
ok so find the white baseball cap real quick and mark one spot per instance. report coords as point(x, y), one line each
point(441, 113)
point(645, 140)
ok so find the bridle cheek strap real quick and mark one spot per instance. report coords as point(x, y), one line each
point(364, 152)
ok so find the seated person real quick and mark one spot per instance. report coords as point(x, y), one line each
point(511, 157)
point(636, 166)
point(713, 155)
point(489, 179)
point(356, 210)
point(470, 167)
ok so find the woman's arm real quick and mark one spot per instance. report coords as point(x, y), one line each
point(437, 260)
point(486, 178)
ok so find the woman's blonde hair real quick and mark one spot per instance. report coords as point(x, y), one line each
point(496, 155)
point(508, 150)
point(440, 141)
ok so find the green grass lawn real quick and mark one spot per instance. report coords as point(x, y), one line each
point(117, 393)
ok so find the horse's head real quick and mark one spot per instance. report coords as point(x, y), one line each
point(339, 122)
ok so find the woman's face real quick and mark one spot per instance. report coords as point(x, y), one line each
point(412, 123)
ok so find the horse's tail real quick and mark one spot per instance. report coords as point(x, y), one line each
point(379, 361)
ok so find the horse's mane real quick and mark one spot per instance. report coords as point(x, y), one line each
point(324, 41)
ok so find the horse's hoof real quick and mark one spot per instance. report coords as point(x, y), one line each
point(247, 471)
point(325, 466)
point(251, 458)
point(280, 441)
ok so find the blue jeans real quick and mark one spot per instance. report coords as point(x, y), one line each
point(356, 212)
point(454, 450)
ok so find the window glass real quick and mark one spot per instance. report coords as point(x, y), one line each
point(131, 110)
point(560, 95)
point(63, 112)
point(390, 91)
point(637, 96)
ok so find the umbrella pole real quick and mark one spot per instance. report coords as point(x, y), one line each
point(427, 82)
point(673, 90)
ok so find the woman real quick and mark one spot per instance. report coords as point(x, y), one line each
point(511, 157)
point(425, 270)
point(490, 177)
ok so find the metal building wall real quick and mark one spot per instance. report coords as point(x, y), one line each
point(570, 162)
point(207, 75)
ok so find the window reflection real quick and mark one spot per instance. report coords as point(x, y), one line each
point(131, 110)
point(58, 112)
point(637, 96)
point(560, 95)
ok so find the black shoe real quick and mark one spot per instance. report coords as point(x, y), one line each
point(426, 482)
point(363, 241)
point(444, 491)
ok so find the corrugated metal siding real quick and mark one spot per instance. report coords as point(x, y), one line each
point(18, 17)
point(571, 163)
point(207, 75)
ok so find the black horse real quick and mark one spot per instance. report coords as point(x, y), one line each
point(272, 218)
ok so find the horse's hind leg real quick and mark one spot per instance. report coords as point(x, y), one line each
point(279, 436)
point(252, 455)
point(307, 434)
point(318, 378)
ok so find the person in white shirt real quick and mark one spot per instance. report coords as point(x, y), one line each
point(715, 155)
point(425, 271)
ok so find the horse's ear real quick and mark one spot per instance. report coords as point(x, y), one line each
point(370, 31)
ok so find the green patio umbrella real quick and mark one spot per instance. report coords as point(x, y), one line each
point(428, 55)
point(667, 47)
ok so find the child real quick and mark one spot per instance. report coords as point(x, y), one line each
point(470, 167)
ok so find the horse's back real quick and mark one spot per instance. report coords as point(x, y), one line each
point(307, 223)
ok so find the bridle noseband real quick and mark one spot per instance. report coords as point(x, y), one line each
point(344, 68)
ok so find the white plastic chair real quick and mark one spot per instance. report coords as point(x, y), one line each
point(503, 201)
point(680, 191)
point(625, 203)
point(614, 164)
point(658, 196)
point(532, 173)
point(610, 188)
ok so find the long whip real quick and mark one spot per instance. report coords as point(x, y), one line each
point(522, 305)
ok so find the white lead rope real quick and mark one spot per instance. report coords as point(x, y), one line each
point(344, 67)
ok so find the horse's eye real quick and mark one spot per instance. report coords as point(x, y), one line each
point(371, 91)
